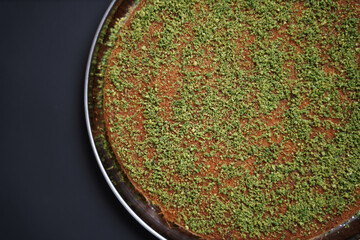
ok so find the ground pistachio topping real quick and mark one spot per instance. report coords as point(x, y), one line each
point(239, 119)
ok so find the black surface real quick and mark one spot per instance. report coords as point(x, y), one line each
point(51, 186)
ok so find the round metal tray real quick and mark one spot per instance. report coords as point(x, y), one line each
point(146, 214)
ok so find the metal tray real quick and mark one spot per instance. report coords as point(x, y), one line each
point(146, 214)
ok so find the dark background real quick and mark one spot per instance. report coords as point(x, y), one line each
point(50, 184)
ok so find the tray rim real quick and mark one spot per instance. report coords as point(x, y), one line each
point(88, 126)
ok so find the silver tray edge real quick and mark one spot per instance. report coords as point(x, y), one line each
point(91, 138)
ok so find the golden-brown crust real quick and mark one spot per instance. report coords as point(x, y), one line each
point(170, 213)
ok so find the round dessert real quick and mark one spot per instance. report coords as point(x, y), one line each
point(239, 119)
